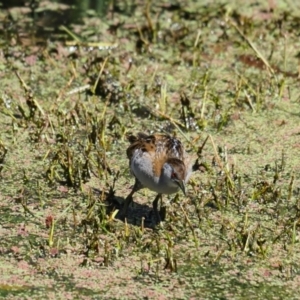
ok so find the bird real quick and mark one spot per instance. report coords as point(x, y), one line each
point(158, 162)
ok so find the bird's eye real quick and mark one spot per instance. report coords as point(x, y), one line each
point(173, 175)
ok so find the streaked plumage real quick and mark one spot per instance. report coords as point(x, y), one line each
point(158, 162)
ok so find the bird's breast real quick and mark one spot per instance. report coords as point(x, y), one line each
point(141, 166)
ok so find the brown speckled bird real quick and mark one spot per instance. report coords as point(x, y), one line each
point(159, 163)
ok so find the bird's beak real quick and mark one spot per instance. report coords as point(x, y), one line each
point(181, 184)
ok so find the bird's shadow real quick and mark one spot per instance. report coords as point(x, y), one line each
point(137, 213)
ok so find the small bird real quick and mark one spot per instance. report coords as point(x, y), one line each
point(158, 162)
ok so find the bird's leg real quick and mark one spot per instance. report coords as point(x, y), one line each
point(155, 210)
point(137, 186)
point(163, 212)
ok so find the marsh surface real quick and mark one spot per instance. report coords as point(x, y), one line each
point(72, 88)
